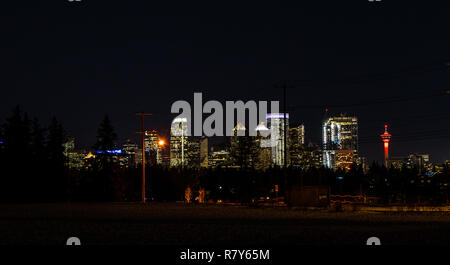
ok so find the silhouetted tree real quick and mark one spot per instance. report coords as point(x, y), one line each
point(56, 182)
point(15, 180)
point(106, 136)
point(106, 171)
point(37, 141)
point(55, 143)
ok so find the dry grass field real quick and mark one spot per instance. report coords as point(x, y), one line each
point(212, 225)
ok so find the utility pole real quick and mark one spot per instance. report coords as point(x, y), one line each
point(182, 146)
point(284, 86)
point(284, 125)
point(142, 132)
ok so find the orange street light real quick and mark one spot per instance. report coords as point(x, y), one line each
point(161, 142)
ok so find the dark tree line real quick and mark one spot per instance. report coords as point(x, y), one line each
point(105, 179)
point(32, 159)
point(242, 185)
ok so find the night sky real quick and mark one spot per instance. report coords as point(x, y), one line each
point(380, 62)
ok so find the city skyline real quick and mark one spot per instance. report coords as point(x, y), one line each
point(339, 146)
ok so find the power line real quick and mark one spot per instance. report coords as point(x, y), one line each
point(407, 139)
point(397, 99)
point(357, 79)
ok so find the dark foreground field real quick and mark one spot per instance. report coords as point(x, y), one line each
point(177, 224)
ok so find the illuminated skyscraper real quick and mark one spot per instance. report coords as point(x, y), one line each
point(296, 142)
point(131, 151)
point(339, 134)
point(263, 147)
point(219, 158)
point(178, 142)
point(151, 140)
point(204, 152)
point(197, 152)
point(277, 140)
point(344, 159)
point(192, 153)
point(74, 158)
point(243, 147)
point(419, 161)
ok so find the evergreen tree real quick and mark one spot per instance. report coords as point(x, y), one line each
point(15, 181)
point(105, 136)
point(56, 179)
point(37, 141)
point(105, 171)
point(55, 143)
point(17, 133)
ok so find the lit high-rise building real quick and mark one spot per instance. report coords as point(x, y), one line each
point(419, 161)
point(276, 126)
point(178, 142)
point(296, 142)
point(192, 153)
point(197, 152)
point(152, 147)
point(344, 159)
point(219, 158)
point(74, 158)
point(131, 151)
point(243, 147)
point(263, 147)
point(339, 133)
point(151, 140)
point(204, 152)
point(310, 156)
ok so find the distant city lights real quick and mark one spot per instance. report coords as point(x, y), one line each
point(276, 116)
point(117, 151)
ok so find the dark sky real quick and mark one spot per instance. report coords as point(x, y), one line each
point(380, 62)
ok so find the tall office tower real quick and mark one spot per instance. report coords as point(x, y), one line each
point(363, 163)
point(151, 140)
point(178, 142)
point(263, 147)
point(310, 156)
point(386, 138)
point(204, 152)
point(219, 158)
point(419, 161)
point(397, 162)
point(69, 144)
point(74, 158)
point(131, 149)
point(344, 159)
point(192, 152)
point(276, 124)
point(339, 134)
point(243, 147)
point(296, 143)
point(197, 152)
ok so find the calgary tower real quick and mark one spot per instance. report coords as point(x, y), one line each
point(386, 137)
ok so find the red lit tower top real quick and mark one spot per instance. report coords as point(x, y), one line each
point(386, 137)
